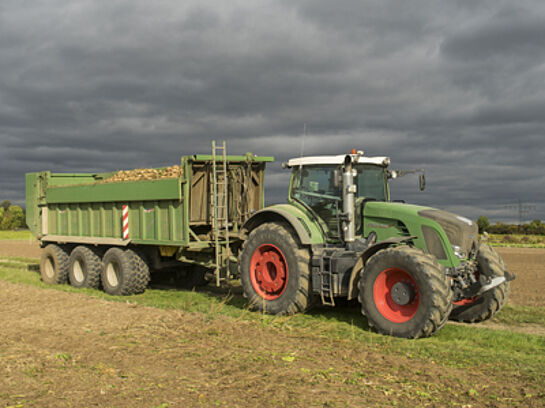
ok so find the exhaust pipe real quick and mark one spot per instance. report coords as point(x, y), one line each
point(349, 199)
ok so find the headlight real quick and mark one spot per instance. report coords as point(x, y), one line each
point(458, 252)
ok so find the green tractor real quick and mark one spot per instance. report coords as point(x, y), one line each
point(412, 268)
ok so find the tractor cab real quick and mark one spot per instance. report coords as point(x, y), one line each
point(317, 186)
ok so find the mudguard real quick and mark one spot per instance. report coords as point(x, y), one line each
point(307, 231)
point(368, 253)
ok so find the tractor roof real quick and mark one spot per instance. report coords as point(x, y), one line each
point(339, 159)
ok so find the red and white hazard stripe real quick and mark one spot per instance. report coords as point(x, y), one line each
point(125, 222)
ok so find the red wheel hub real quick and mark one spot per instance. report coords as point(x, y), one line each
point(395, 279)
point(268, 271)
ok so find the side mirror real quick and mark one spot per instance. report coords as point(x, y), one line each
point(422, 182)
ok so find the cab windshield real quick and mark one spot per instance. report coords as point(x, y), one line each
point(318, 181)
point(315, 187)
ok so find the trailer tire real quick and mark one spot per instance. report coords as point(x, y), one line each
point(404, 292)
point(485, 306)
point(275, 270)
point(84, 268)
point(124, 272)
point(191, 277)
point(54, 265)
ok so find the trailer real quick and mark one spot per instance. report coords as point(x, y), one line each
point(103, 230)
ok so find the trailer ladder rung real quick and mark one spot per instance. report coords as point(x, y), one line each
point(220, 212)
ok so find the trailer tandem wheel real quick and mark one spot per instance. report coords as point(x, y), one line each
point(54, 264)
point(191, 277)
point(124, 272)
point(84, 268)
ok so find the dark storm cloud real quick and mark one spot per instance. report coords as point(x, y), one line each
point(455, 87)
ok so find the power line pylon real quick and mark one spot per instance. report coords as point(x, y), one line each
point(522, 209)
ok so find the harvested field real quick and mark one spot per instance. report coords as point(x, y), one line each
point(20, 248)
point(71, 349)
point(529, 265)
point(68, 349)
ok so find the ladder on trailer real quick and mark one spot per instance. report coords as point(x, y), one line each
point(220, 211)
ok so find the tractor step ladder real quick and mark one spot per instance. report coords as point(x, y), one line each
point(326, 282)
point(220, 211)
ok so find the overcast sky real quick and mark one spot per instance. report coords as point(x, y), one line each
point(454, 87)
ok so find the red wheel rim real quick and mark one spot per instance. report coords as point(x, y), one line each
point(269, 272)
point(468, 301)
point(382, 293)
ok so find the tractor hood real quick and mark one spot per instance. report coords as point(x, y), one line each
point(459, 231)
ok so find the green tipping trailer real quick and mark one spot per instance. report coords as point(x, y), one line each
point(96, 231)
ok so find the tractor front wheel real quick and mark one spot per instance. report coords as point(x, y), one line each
point(275, 270)
point(480, 308)
point(404, 292)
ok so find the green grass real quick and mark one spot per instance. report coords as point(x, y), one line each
point(463, 346)
point(23, 234)
point(518, 315)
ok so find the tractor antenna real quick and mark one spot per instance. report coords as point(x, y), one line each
point(303, 141)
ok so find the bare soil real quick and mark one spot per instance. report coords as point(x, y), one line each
point(66, 349)
point(20, 248)
point(528, 289)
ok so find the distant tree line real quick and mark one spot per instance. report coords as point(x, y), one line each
point(12, 217)
point(536, 227)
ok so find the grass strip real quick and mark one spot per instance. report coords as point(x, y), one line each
point(19, 235)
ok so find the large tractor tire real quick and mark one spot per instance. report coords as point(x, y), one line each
point(124, 272)
point(404, 292)
point(84, 268)
point(275, 270)
point(480, 308)
point(54, 264)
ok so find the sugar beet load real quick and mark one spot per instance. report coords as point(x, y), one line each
point(338, 236)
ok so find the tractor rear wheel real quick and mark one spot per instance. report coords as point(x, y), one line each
point(275, 270)
point(485, 306)
point(404, 292)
